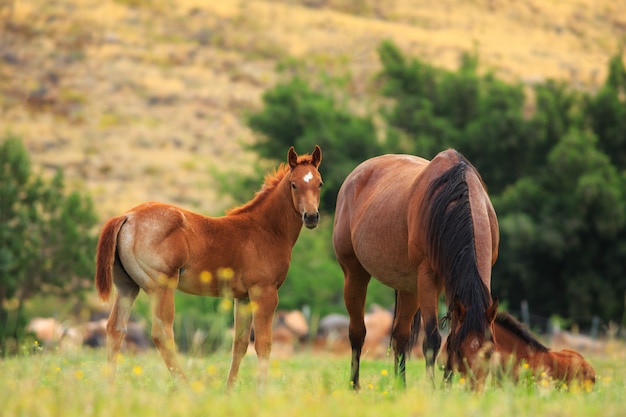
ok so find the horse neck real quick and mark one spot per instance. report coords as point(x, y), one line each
point(276, 213)
point(509, 342)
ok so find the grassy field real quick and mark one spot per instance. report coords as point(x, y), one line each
point(76, 384)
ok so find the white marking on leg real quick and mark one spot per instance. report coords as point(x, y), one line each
point(308, 177)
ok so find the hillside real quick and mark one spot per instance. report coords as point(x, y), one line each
point(145, 99)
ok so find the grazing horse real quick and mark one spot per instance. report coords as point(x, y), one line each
point(244, 255)
point(517, 345)
point(422, 228)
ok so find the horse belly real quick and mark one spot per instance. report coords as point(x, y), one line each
point(385, 257)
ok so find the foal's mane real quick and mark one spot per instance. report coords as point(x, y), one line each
point(450, 231)
point(271, 181)
point(509, 323)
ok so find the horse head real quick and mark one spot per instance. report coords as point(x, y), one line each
point(306, 182)
point(469, 348)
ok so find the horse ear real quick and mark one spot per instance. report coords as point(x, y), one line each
point(459, 309)
point(292, 157)
point(316, 156)
point(492, 311)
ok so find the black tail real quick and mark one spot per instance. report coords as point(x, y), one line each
point(450, 233)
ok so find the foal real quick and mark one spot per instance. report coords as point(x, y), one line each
point(244, 255)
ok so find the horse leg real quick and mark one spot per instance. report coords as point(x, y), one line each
point(163, 329)
point(431, 344)
point(243, 321)
point(356, 279)
point(265, 301)
point(428, 294)
point(125, 295)
point(406, 307)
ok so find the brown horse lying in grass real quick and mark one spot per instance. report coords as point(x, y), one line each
point(517, 347)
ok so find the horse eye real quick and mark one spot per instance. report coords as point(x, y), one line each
point(293, 186)
point(321, 184)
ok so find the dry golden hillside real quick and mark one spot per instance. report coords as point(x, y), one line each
point(142, 99)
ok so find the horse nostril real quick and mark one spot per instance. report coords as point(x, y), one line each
point(311, 219)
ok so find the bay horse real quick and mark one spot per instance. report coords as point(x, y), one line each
point(243, 255)
point(517, 345)
point(422, 228)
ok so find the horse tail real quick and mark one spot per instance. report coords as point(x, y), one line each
point(450, 228)
point(107, 246)
point(450, 233)
point(415, 325)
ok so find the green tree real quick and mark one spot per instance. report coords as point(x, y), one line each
point(479, 115)
point(562, 234)
point(47, 242)
point(296, 114)
point(417, 110)
point(606, 112)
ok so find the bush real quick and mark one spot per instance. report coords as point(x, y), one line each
point(47, 241)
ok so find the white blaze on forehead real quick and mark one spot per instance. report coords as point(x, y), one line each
point(308, 177)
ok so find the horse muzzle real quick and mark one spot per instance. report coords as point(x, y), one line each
point(310, 220)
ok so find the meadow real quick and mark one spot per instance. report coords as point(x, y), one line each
point(77, 383)
point(140, 100)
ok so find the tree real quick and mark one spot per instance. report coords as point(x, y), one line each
point(47, 242)
point(478, 115)
point(296, 114)
point(607, 113)
point(562, 234)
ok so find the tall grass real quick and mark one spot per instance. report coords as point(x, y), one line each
point(308, 385)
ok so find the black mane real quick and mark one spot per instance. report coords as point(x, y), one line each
point(508, 322)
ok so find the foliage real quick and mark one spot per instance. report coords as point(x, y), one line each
point(606, 112)
point(295, 114)
point(574, 239)
point(480, 116)
point(46, 239)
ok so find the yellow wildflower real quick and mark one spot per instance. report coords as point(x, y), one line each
point(225, 273)
point(226, 304)
point(197, 386)
point(206, 277)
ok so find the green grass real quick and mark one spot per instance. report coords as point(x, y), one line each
point(76, 384)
